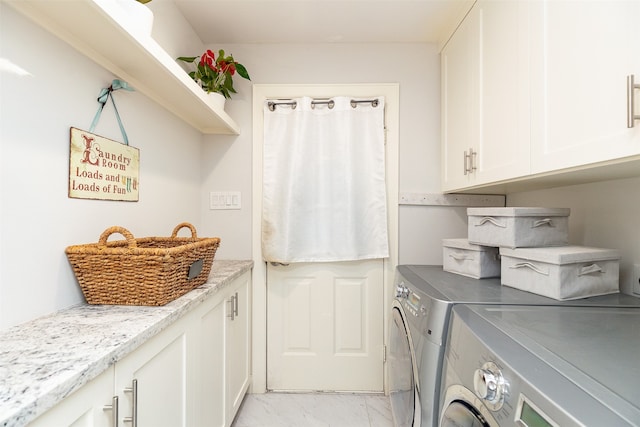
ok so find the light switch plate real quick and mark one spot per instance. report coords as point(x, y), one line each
point(225, 200)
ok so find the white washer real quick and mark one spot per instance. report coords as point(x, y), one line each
point(420, 317)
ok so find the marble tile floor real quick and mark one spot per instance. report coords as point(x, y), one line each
point(314, 410)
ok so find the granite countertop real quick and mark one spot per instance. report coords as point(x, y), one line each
point(46, 359)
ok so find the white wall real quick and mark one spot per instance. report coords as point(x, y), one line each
point(415, 67)
point(603, 214)
point(37, 219)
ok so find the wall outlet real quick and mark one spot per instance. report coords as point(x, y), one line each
point(635, 279)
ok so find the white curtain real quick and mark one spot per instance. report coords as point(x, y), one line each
point(324, 196)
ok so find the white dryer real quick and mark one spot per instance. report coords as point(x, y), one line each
point(425, 296)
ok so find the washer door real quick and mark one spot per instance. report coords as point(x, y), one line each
point(403, 394)
point(460, 414)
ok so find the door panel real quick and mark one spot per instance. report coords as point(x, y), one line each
point(325, 326)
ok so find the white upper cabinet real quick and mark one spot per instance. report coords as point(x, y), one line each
point(581, 55)
point(460, 103)
point(485, 96)
point(102, 31)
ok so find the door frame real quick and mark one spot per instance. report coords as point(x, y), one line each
point(261, 92)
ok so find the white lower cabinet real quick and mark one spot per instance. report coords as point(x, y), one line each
point(237, 348)
point(87, 407)
point(224, 353)
point(153, 382)
point(194, 373)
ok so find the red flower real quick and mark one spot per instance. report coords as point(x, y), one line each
point(227, 67)
point(208, 58)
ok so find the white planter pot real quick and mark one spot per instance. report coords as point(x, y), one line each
point(140, 17)
point(218, 100)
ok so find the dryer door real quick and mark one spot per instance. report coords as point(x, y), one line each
point(402, 383)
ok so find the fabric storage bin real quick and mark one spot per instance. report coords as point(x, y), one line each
point(518, 227)
point(461, 257)
point(563, 272)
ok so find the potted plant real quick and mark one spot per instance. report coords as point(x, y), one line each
point(215, 75)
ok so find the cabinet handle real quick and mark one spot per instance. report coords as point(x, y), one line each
point(464, 162)
point(113, 407)
point(631, 87)
point(235, 309)
point(133, 419)
point(472, 160)
point(469, 161)
point(232, 311)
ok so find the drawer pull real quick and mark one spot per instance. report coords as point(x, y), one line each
point(235, 308)
point(232, 310)
point(113, 407)
point(133, 419)
point(631, 88)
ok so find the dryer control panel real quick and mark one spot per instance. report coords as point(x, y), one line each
point(411, 301)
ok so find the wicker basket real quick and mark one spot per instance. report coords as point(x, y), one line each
point(146, 271)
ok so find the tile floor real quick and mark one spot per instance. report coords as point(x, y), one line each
point(314, 410)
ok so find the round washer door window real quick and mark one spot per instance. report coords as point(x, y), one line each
point(461, 414)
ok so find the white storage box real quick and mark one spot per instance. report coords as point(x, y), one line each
point(461, 257)
point(563, 272)
point(518, 227)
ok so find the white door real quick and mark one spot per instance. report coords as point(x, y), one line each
point(325, 326)
point(350, 285)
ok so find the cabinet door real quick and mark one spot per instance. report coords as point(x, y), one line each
point(211, 366)
point(160, 369)
point(485, 96)
point(504, 134)
point(85, 407)
point(224, 346)
point(460, 102)
point(238, 346)
point(582, 54)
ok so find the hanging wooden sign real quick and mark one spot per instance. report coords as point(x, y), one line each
point(102, 169)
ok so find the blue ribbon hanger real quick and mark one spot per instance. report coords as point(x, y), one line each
point(103, 97)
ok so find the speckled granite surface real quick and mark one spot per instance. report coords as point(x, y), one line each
point(45, 360)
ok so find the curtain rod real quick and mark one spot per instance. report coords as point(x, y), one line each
point(330, 102)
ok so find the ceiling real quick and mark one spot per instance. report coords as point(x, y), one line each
point(322, 21)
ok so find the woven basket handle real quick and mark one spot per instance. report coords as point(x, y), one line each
point(183, 225)
point(131, 241)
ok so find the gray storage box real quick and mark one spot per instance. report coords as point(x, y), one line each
point(518, 227)
point(562, 273)
point(461, 257)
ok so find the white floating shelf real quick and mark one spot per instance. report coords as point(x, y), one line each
point(100, 30)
